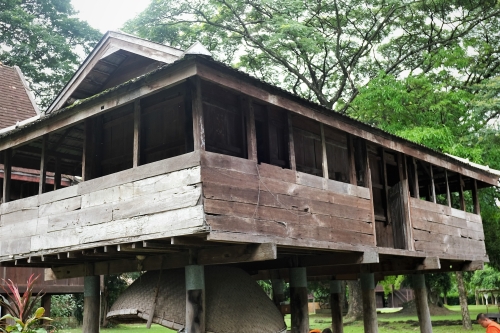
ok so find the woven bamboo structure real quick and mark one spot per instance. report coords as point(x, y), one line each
point(234, 302)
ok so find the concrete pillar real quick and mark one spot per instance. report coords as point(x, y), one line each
point(336, 306)
point(91, 304)
point(369, 303)
point(278, 292)
point(424, 317)
point(195, 299)
point(298, 300)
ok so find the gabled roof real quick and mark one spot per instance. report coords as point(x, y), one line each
point(117, 58)
point(16, 100)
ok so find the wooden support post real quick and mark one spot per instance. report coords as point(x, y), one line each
point(475, 198)
point(417, 189)
point(401, 167)
point(43, 166)
point(369, 303)
point(57, 174)
point(251, 132)
point(352, 160)
point(198, 122)
point(336, 306)
point(291, 145)
point(91, 304)
point(137, 133)
point(46, 304)
point(424, 317)
point(298, 300)
point(448, 194)
point(195, 299)
point(433, 187)
point(461, 192)
point(324, 160)
point(278, 292)
point(7, 173)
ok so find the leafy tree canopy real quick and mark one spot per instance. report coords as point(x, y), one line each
point(45, 40)
point(328, 50)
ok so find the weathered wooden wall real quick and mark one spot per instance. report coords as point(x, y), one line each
point(243, 198)
point(21, 274)
point(441, 230)
point(156, 200)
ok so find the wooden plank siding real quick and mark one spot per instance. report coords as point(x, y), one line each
point(243, 197)
point(442, 230)
point(156, 200)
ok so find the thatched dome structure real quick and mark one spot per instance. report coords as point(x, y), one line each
point(234, 302)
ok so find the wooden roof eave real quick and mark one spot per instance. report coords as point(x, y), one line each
point(222, 75)
point(242, 83)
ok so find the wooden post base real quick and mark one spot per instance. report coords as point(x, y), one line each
point(336, 306)
point(195, 299)
point(369, 303)
point(424, 317)
point(298, 300)
point(91, 304)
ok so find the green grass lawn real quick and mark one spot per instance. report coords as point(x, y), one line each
point(388, 323)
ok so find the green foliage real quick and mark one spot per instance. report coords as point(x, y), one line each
point(44, 39)
point(391, 281)
point(327, 51)
point(488, 278)
point(267, 287)
point(321, 291)
point(62, 305)
point(78, 309)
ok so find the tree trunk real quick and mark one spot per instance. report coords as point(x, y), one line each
point(355, 301)
point(466, 322)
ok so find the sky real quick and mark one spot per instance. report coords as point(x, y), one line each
point(107, 15)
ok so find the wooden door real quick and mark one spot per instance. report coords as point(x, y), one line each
point(398, 207)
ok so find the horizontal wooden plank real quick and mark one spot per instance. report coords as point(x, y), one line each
point(20, 204)
point(60, 194)
point(16, 246)
point(167, 181)
point(18, 216)
point(172, 164)
point(15, 231)
point(444, 210)
point(432, 216)
point(80, 218)
point(58, 207)
point(229, 177)
point(221, 161)
point(237, 253)
point(108, 195)
point(455, 246)
point(355, 207)
point(186, 196)
point(276, 172)
point(243, 225)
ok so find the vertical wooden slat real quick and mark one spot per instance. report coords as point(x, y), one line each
point(370, 322)
point(433, 187)
point(43, 166)
point(291, 145)
point(352, 160)
point(475, 197)
point(401, 168)
point(198, 121)
point(251, 133)
point(324, 160)
point(87, 150)
point(386, 187)
point(7, 174)
point(461, 192)
point(417, 189)
point(137, 133)
point(448, 195)
point(57, 174)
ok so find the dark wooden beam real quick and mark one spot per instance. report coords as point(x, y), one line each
point(7, 170)
point(137, 133)
point(43, 165)
point(237, 253)
point(291, 145)
point(250, 129)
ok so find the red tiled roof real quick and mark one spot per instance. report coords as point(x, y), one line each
point(15, 103)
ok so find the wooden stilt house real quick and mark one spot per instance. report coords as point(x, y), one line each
point(185, 161)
